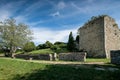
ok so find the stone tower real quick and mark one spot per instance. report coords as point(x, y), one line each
point(99, 36)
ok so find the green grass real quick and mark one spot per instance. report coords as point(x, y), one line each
point(98, 60)
point(15, 69)
point(42, 51)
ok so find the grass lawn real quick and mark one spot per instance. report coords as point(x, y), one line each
point(42, 51)
point(12, 69)
point(98, 60)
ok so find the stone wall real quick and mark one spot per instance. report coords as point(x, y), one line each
point(34, 56)
point(99, 36)
point(92, 38)
point(115, 57)
point(112, 35)
point(79, 56)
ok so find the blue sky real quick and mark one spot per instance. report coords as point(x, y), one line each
point(54, 19)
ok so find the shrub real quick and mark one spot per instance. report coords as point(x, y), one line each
point(29, 46)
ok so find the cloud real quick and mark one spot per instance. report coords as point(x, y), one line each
point(4, 15)
point(8, 9)
point(42, 35)
point(55, 14)
point(61, 5)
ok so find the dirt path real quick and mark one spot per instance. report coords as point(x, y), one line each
point(56, 62)
point(65, 62)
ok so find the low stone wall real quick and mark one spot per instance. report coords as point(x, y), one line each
point(79, 56)
point(115, 57)
point(34, 56)
point(23, 56)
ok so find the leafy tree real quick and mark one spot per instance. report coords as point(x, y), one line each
point(61, 44)
point(71, 43)
point(29, 46)
point(54, 47)
point(48, 44)
point(41, 46)
point(13, 36)
point(57, 43)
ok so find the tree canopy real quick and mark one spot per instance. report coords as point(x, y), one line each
point(29, 46)
point(71, 43)
point(13, 35)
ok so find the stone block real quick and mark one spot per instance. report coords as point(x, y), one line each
point(115, 56)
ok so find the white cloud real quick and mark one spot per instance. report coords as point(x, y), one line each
point(41, 35)
point(7, 10)
point(61, 5)
point(4, 15)
point(55, 14)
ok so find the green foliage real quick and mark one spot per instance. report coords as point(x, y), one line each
point(77, 39)
point(46, 45)
point(54, 47)
point(41, 46)
point(58, 43)
point(14, 35)
point(29, 46)
point(94, 18)
point(71, 43)
point(59, 47)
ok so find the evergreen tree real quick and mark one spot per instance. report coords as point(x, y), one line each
point(77, 39)
point(71, 43)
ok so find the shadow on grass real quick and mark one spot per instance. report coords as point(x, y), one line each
point(67, 72)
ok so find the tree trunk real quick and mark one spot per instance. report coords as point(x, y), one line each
point(12, 50)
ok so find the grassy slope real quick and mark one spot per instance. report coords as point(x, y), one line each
point(42, 51)
point(11, 69)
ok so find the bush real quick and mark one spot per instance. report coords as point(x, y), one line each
point(45, 45)
point(29, 46)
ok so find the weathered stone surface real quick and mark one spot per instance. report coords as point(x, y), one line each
point(34, 56)
point(99, 36)
point(81, 56)
point(115, 57)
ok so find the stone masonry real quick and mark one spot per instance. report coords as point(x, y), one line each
point(99, 36)
point(76, 56)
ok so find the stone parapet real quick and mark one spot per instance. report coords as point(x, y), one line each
point(77, 56)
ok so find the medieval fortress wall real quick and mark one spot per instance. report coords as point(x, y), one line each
point(112, 35)
point(99, 36)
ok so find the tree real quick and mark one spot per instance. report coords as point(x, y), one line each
point(71, 43)
point(13, 36)
point(48, 44)
point(61, 44)
point(29, 46)
point(77, 39)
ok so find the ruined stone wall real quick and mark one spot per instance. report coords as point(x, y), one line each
point(112, 35)
point(34, 56)
point(92, 38)
point(80, 56)
point(99, 36)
